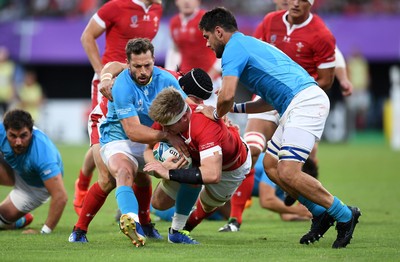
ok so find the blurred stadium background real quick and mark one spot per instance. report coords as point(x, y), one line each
point(44, 35)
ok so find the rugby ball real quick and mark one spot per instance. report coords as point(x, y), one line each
point(164, 150)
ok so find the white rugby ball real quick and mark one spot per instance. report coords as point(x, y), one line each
point(164, 150)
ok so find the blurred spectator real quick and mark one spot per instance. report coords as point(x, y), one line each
point(31, 95)
point(19, 9)
point(7, 88)
point(359, 102)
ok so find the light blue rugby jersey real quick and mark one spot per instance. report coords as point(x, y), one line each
point(40, 162)
point(132, 99)
point(264, 70)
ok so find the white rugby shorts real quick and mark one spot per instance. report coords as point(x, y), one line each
point(302, 123)
point(25, 197)
point(133, 150)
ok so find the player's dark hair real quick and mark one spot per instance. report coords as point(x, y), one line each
point(138, 46)
point(18, 119)
point(219, 16)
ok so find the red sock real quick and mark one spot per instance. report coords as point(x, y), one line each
point(84, 181)
point(242, 194)
point(94, 200)
point(197, 216)
point(143, 196)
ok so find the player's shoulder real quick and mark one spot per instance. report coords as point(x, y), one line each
point(202, 122)
point(319, 24)
point(110, 5)
point(41, 138)
point(275, 15)
point(175, 20)
point(42, 146)
point(3, 135)
point(200, 13)
point(162, 73)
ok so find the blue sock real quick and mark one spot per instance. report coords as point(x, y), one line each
point(339, 211)
point(126, 200)
point(186, 198)
point(165, 215)
point(315, 209)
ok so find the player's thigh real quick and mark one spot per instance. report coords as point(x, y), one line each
point(8, 210)
point(123, 157)
point(164, 194)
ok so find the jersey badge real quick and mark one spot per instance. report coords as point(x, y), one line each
point(273, 39)
point(139, 105)
point(299, 46)
point(134, 21)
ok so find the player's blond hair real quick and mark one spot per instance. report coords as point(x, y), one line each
point(168, 104)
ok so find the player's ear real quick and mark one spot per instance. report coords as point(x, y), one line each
point(219, 32)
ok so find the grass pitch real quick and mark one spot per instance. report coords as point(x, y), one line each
point(363, 172)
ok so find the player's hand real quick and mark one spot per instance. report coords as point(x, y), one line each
point(30, 231)
point(302, 211)
point(157, 169)
point(179, 144)
point(105, 88)
point(206, 110)
point(347, 87)
point(175, 163)
point(229, 123)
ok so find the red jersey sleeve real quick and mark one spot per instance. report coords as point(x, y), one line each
point(324, 45)
point(263, 28)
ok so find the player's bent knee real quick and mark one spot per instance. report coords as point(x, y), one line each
point(209, 202)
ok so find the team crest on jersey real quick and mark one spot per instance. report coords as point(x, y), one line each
point(134, 21)
point(139, 105)
point(273, 39)
point(299, 46)
point(156, 20)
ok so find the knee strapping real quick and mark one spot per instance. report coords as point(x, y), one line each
point(273, 149)
point(293, 153)
point(255, 139)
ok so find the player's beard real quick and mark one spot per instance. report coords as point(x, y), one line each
point(219, 50)
point(19, 149)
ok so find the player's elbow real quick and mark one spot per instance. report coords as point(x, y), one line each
point(226, 99)
point(212, 177)
point(61, 199)
point(85, 39)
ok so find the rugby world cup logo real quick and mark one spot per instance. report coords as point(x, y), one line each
point(134, 21)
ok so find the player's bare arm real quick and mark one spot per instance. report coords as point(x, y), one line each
point(146, 135)
point(226, 95)
point(325, 78)
point(58, 200)
point(250, 107)
point(88, 40)
point(345, 84)
point(107, 76)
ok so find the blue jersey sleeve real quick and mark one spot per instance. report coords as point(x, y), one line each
point(124, 97)
point(233, 62)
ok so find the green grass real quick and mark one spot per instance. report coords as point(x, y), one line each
point(364, 172)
